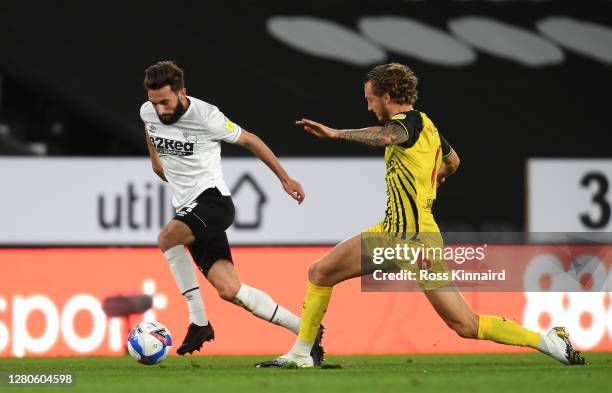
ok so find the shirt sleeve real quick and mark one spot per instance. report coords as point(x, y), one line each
point(144, 112)
point(446, 147)
point(220, 128)
point(412, 124)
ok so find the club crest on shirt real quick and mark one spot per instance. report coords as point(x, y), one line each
point(190, 138)
point(151, 128)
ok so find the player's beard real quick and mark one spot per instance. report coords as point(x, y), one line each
point(384, 116)
point(178, 112)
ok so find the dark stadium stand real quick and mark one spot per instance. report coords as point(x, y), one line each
point(72, 86)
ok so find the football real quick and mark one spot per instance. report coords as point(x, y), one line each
point(149, 342)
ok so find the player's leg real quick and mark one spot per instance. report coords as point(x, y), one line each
point(172, 240)
point(343, 262)
point(190, 227)
point(452, 307)
point(213, 257)
point(175, 233)
point(223, 277)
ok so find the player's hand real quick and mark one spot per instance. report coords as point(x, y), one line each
point(317, 129)
point(441, 175)
point(294, 189)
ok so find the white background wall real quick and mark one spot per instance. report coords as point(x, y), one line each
point(57, 201)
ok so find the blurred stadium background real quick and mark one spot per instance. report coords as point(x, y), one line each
point(520, 88)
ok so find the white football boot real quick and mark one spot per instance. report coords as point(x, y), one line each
point(289, 360)
point(559, 347)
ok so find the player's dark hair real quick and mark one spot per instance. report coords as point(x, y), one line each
point(164, 73)
point(396, 79)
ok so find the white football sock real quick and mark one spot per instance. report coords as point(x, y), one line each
point(301, 348)
point(545, 344)
point(262, 306)
point(185, 277)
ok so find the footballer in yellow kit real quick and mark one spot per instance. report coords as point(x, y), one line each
point(411, 175)
point(411, 179)
point(418, 160)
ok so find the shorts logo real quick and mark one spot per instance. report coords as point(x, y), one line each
point(172, 147)
point(187, 209)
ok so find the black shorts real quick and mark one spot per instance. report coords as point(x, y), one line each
point(208, 216)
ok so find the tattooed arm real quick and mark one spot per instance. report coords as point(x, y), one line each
point(374, 136)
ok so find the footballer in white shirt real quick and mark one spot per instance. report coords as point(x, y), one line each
point(184, 136)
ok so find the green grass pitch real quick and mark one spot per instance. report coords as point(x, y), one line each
point(525, 372)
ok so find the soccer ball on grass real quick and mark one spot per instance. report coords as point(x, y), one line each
point(149, 342)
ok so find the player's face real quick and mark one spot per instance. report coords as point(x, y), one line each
point(167, 104)
point(376, 104)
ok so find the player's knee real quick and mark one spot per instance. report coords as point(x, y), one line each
point(322, 273)
point(167, 239)
point(227, 292)
point(316, 273)
point(312, 271)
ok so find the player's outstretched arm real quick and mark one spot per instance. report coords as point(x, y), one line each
point(377, 136)
point(155, 162)
point(263, 152)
